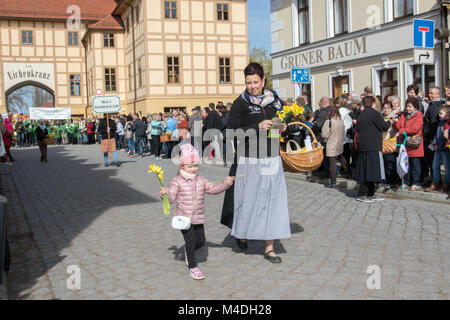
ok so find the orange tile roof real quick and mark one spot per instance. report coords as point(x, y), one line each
point(108, 23)
point(93, 10)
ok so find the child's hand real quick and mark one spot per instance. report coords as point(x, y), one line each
point(162, 192)
point(230, 180)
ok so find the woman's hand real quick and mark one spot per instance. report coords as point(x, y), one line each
point(265, 125)
point(282, 127)
point(162, 192)
point(230, 180)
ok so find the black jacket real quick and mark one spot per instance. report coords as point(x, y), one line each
point(246, 116)
point(319, 119)
point(213, 121)
point(431, 120)
point(138, 128)
point(103, 128)
point(41, 134)
point(369, 130)
point(224, 121)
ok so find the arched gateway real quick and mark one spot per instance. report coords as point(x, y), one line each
point(28, 85)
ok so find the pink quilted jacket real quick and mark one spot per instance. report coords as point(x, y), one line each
point(190, 194)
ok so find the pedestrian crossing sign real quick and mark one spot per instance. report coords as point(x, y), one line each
point(301, 75)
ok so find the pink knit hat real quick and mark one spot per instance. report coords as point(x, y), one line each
point(188, 154)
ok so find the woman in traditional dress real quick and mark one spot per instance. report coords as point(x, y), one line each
point(256, 207)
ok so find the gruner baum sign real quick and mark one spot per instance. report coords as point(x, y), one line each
point(106, 104)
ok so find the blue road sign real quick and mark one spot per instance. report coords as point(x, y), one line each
point(424, 33)
point(301, 75)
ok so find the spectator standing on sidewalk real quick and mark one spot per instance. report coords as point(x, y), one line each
point(411, 123)
point(120, 133)
point(333, 131)
point(441, 151)
point(139, 133)
point(157, 130)
point(129, 136)
point(9, 133)
point(430, 123)
point(369, 128)
point(19, 128)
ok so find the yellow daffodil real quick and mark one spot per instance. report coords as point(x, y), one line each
point(160, 175)
point(286, 109)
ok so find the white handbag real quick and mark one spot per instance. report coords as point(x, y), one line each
point(181, 223)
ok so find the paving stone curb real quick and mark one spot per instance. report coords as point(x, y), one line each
point(346, 184)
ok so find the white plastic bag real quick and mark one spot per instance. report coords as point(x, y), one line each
point(402, 162)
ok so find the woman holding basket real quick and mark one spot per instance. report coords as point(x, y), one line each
point(41, 134)
point(256, 207)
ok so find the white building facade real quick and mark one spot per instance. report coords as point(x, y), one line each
point(349, 44)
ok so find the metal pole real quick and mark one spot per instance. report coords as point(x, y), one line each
point(423, 80)
point(109, 136)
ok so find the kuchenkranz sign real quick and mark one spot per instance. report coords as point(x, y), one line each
point(366, 44)
point(16, 73)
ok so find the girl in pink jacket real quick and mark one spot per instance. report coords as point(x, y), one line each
point(188, 190)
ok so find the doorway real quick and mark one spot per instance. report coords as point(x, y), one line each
point(341, 85)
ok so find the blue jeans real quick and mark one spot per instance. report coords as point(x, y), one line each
point(138, 143)
point(114, 155)
point(413, 177)
point(130, 144)
point(165, 148)
point(390, 167)
point(21, 141)
point(439, 157)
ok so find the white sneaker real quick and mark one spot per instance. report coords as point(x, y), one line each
point(196, 274)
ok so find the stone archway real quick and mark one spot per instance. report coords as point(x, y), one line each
point(28, 94)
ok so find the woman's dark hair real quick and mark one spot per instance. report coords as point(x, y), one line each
point(414, 101)
point(207, 110)
point(129, 117)
point(368, 101)
point(144, 119)
point(334, 113)
point(254, 68)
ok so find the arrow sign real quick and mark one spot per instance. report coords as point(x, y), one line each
point(424, 56)
point(427, 56)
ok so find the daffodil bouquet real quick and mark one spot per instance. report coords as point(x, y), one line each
point(160, 175)
point(293, 110)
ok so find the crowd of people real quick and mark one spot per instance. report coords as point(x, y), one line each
point(352, 128)
point(136, 135)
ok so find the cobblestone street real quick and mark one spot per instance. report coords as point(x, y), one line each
point(109, 222)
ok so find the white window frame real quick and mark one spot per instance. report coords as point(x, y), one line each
point(376, 78)
point(389, 10)
point(295, 24)
point(330, 17)
point(348, 73)
point(409, 72)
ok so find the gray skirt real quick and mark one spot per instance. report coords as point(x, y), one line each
point(260, 200)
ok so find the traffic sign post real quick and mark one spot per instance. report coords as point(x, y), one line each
point(300, 76)
point(423, 44)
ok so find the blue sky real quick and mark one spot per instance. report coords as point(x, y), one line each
point(259, 24)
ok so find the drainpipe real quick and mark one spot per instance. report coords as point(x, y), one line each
point(134, 55)
point(86, 74)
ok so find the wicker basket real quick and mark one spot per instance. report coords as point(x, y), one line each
point(49, 140)
point(166, 137)
point(389, 146)
point(304, 161)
